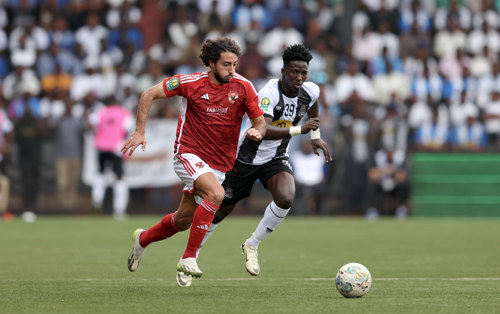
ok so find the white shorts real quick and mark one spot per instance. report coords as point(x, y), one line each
point(189, 167)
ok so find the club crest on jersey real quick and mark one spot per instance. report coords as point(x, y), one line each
point(229, 193)
point(287, 164)
point(264, 103)
point(173, 83)
point(199, 164)
point(232, 96)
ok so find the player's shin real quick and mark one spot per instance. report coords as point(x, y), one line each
point(210, 230)
point(162, 230)
point(202, 220)
point(273, 216)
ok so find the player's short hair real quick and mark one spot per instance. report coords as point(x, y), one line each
point(212, 49)
point(296, 52)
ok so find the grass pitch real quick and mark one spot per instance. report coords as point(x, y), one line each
point(78, 265)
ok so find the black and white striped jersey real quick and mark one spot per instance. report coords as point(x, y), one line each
point(285, 112)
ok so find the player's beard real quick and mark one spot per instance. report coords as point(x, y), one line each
point(222, 80)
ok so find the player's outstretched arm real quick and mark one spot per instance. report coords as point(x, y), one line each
point(139, 136)
point(258, 130)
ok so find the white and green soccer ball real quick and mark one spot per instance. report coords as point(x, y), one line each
point(353, 280)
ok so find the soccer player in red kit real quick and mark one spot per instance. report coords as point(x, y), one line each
point(212, 107)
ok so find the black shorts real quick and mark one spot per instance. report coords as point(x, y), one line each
point(108, 158)
point(240, 180)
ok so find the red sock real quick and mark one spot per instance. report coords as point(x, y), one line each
point(202, 219)
point(162, 230)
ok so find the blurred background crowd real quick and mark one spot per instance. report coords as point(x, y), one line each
point(396, 77)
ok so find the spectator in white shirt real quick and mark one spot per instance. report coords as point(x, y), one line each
point(447, 41)
point(274, 41)
point(460, 13)
point(353, 84)
point(89, 36)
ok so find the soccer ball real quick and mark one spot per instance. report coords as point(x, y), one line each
point(353, 280)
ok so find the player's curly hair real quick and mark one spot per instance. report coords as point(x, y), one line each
point(296, 52)
point(212, 49)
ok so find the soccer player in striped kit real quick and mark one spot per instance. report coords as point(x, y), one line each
point(213, 104)
point(285, 102)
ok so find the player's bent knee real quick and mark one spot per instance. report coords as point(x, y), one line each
point(215, 195)
point(285, 202)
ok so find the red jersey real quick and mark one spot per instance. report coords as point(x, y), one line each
point(210, 116)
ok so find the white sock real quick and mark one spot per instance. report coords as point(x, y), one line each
point(210, 230)
point(98, 189)
point(273, 216)
point(120, 197)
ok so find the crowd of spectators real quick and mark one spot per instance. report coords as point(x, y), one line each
point(395, 76)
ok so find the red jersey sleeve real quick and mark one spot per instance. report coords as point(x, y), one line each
point(172, 85)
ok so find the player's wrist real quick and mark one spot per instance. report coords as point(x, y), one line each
point(295, 130)
point(315, 134)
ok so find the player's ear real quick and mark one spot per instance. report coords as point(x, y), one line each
point(211, 63)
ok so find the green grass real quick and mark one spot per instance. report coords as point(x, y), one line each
point(78, 265)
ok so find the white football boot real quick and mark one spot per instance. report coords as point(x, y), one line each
point(252, 261)
point(135, 257)
point(189, 267)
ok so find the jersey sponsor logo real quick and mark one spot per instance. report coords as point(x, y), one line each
point(205, 97)
point(199, 164)
point(282, 123)
point(232, 96)
point(217, 110)
point(173, 83)
point(264, 103)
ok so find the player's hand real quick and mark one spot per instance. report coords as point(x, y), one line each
point(133, 142)
point(254, 134)
point(320, 144)
point(309, 125)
